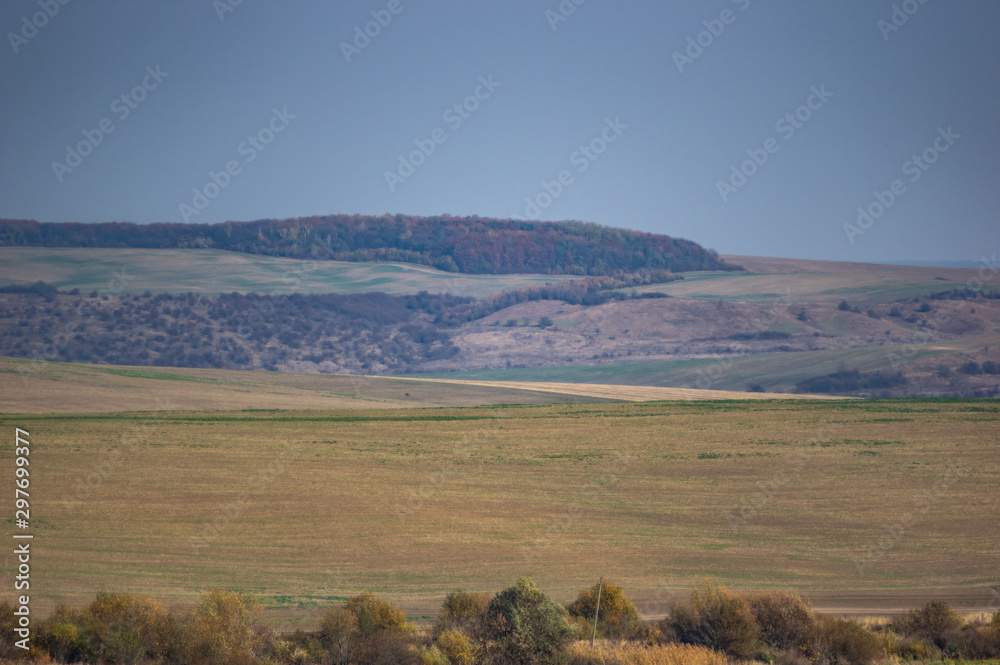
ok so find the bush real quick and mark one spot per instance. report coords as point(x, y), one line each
point(463, 610)
point(982, 640)
point(367, 631)
point(786, 621)
point(389, 647)
point(717, 619)
point(125, 628)
point(224, 630)
point(375, 615)
point(64, 635)
point(971, 368)
point(432, 656)
point(523, 625)
point(458, 647)
point(618, 616)
point(936, 621)
point(842, 642)
point(630, 653)
point(337, 630)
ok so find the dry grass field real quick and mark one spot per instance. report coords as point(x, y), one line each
point(43, 387)
point(847, 501)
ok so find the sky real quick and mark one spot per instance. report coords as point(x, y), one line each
point(860, 130)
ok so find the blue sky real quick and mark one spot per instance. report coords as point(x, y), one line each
point(631, 114)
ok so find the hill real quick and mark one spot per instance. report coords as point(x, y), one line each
point(469, 245)
point(802, 281)
point(788, 325)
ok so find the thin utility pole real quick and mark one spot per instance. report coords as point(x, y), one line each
point(597, 610)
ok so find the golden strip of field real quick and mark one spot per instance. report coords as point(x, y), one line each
point(624, 393)
point(41, 387)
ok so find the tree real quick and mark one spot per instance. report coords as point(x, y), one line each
point(618, 616)
point(523, 625)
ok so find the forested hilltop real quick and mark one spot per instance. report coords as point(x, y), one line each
point(467, 244)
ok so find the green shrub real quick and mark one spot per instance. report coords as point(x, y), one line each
point(914, 649)
point(786, 621)
point(459, 648)
point(618, 616)
point(432, 656)
point(936, 621)
point(66, 635)
point(842, 642)
point(717, 619)
point(375, 615)
point(523, 625)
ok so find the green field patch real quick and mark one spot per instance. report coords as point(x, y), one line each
point(154, 374)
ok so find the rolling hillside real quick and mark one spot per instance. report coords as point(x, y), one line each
point(211, 272)
point(781, 323)
point(802, 281)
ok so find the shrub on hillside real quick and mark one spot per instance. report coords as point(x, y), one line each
point(65, 635)
point(375, 614)
point(224, 630)
point(125, 628)
point(523, 625)
point(842, 642)
point(786, 620)
point(463, 610)
point(981, 639)
point(618, 616)
point(432, 656)
point(459, 648)
point(337, 632)
point(367, 630)
point(936, 622)
point(717, 619)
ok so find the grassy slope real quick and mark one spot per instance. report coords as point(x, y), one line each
point(778, 372)
point(817, 281)
point(209, 272)
point(314, 506)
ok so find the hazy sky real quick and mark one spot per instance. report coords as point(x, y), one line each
point(628, 113)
